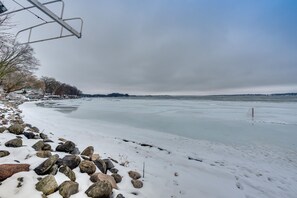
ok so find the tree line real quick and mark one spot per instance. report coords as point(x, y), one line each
point(18, 64)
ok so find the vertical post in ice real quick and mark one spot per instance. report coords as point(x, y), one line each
point(253, 112)
point(143, 167)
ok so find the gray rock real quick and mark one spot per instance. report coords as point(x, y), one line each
point(72, 161)
point(109, 164)
point(75, 151)
point(103, 177)
point(44, 167)
point(35, 129)
point(4, 153)
point(47, 140)
point(89, 151)
point(137, 183)
point(47, 185)
point(38, 145)
point(29, 135)
point(117, 177)
point(46, 147)
point(2, 129)
point(43, 136)
point(68, 188)
point(120, 196)
point(14, 143)
point(101, 165)
point(67, 147)
point(43, 154)
point(101, 189)
point(16, 129)
point(87, 167)
point(68, 172)
point(53, 170)
point(114, 170)
point(134, 175)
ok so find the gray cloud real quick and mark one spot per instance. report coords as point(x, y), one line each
point(177, 47)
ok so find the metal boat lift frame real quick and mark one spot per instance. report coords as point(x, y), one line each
point(54, 17)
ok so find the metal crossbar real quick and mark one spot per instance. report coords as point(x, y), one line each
point(56, 19)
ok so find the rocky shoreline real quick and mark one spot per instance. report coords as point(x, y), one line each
point(60, 158)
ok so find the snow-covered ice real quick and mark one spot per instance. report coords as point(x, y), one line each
point(211, 148)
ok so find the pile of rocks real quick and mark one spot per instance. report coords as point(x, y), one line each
point(86, 161)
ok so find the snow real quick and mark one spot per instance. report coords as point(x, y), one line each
point(233, 155)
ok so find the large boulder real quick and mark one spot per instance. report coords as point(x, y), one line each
point(137, 183)
point(47, 185)
point(68, 188)
point(38, 145)
point(87, 167)
point(4, 153)
point(43, 154)
point(67, 147)
point(16, 129)
point(134, 174)
point(14, 143)
point(89, 151)
point(101, 165)
point(68, 172)
point(103, 177)
point(117, 177)
point(2, 129)
point(72, 161)
point(45, 167)
point(109, 164)
point(7, 170)
point(101, 189)
point(29, 135)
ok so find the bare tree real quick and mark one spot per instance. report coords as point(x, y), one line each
point(15, 57)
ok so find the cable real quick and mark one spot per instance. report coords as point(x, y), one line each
point(30, 11)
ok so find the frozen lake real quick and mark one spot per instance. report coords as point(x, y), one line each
point(217, 148)
point(228, 122)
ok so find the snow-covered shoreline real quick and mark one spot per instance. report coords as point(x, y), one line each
point(191, 168)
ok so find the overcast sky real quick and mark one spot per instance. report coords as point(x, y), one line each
point(173, 46)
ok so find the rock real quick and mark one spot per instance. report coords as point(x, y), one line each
point(29, 135)
point(114, 170)
point(4, 153)
point(16, 129)
point(95, 156)
point(89, 151)
point(68, 188)
point(14, 143)
point(43, 136)
point(75, 151)
point(44, 167)
point(53, 170)
point(120, 196)
point(71, 161)
point(101, 165)
point(67, 147)
point(109, 164)
point(7, 170)
point(137, 183)
point(43, 154)
point(38, 145)
point(68, 172)
point(47, 185)
point(117, 177)
point(35, 129)
point(2, 129)
point(4, 122)
point(101, 189)
point(62, 139)
point(47, 140)
point(46, 147)
point(103, 177)
point(134, 175)
point(87, 167)
point(85, 157)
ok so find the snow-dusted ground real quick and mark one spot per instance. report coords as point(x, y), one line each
point(232, 155)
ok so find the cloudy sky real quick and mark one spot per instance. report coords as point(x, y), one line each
point(172, 46)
